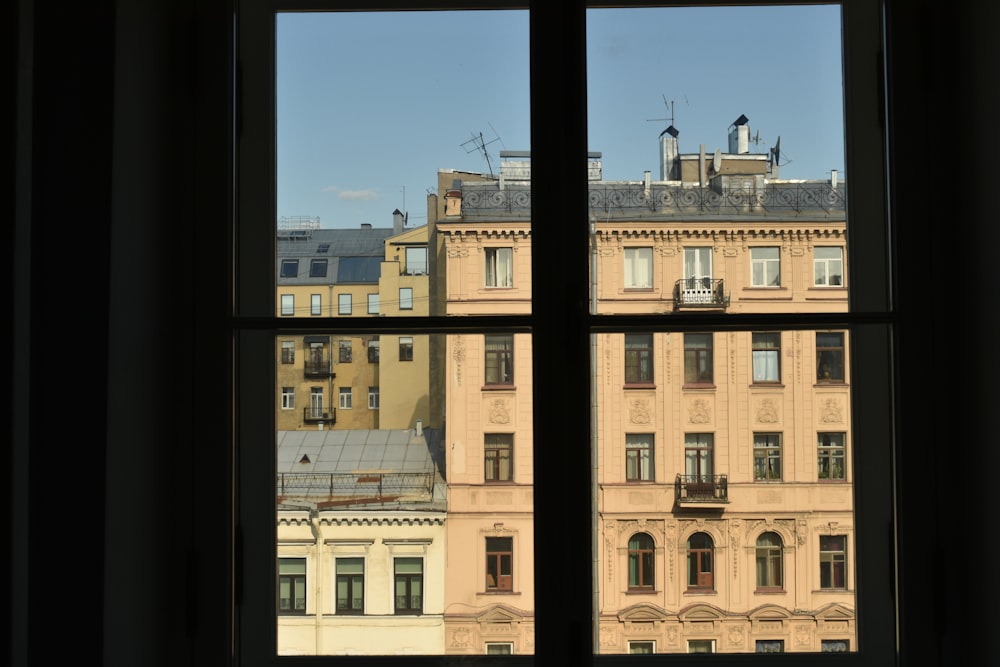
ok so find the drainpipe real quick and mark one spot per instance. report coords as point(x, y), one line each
point(317, 580)
point(595, 521)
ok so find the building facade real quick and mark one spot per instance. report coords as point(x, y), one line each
point(723, 483)
point(351, 380)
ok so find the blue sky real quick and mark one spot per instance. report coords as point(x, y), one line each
point(370, 106)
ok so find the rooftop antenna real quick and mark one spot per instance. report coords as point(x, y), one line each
point(670, 108)
point(480, 144)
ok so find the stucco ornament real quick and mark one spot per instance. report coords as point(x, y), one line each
point(499, 412)
point(766, 412)
point(698, 412)
point(831, 411)
point(638, 411)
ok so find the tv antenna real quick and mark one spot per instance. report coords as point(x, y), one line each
point(670, 108)
point(479, 143)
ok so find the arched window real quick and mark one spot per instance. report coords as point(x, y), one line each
point(640, 561)
point(769, 562)
point(700, 565)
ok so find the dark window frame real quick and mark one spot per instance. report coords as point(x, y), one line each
point(641, 563)
point(498, 358)
point(700, 562)
point(351, 580)
point(639, 359)
point(769, 561)
point(699, 363)
point(294, 582)
point(639, 468)
point(499, 564)
point(408, 579)
point(495, 469)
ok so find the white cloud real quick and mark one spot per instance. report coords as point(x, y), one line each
point(352, 195)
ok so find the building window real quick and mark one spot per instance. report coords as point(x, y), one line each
point(406, 348)
point(317, 268)
point(698, 457)
point(288, 351)
point(287, 304)
point(769, 561)
point(770, 646)
point(373, 304)
point(697, 358)
point(766, 456)
point(831, 455)
point(316, 403)
point(289, 268)
point(829, 357)
point(409, 585)
point(698, 263)
point(373, 398)
point(288, 398)
point(641, 648)
point(416, 261)
point(828, 267)
point(639, 358)
point(499, 563)
point(500, 359)
point(498, 457)
point(499, 267)
point(291, 585)
point(345, 349)
point(406, 298)
point(835, 646)
point(346, 398)
point(638, 268)
point(765, 267)
point(343, 304)
point(499, 648)
point(639, 457)
point(832, 561)
point(700, 562)
point(350, 585)
point(766, 357)
point(640, 562)
point(315, 304)
point(701, 646)
point(373, 351)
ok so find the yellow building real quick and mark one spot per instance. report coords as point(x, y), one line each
point(723, 484)
point(351, 380)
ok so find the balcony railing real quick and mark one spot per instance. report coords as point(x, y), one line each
point(319, 367)
point(701, 489)
point(344, 489)
point(700, 293)
point(313, 415)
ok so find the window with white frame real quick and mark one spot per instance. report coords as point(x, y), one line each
point(406, 298)
point(373, 398)
point(638, 268)
point(346, 397)
point(416, 261)
point(765, 267)
point(499, 270)
point(288, 398)
point(828, 266)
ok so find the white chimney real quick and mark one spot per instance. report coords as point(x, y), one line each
point(833, 179)
point(420, 427)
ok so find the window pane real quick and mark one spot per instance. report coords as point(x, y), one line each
point(736, 222)
point(416, 212)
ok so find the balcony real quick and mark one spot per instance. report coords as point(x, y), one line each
point(315, 415)
point(703, 293)
point(318, 368)
point(701, 490)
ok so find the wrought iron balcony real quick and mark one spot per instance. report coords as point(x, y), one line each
point(700, 293)
point(701, 489)
point(326, 415)
point(319, 368)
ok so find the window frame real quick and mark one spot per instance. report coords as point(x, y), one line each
point(350, 580)
point(767, 449)
point(409, 578)
point(293, 578)
point(406, 298)
point(494, 358)
point(406, 348)
point(288, 351)
point(502, 546)
point(774, 582)
point(373, 304)
point(373, 398)
point(345, 398)
point(493, 468)
point(832, 560)
point(699, 579)
point(633, 265)
point(699, 360)
point(498, 269)
point(825, 353)
point(564, 25)
point(639, 369)
point(763, 264)
point(825, 263)
point(831, 453)
point(762, 351)
point(344, 305)
point(636, 444)
point(641, 563)
point(345, 351)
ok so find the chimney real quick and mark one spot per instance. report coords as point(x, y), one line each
point(739, 136)
point(398, 220)
point(669, 155)
point(420, 427)
point(366, 225)
point(453, 199)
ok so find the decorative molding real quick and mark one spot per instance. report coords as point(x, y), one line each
point(767, 413)
point(698, 411)
point(831, 411)
point(458, 356)
point(638, 411)
point(499, 411)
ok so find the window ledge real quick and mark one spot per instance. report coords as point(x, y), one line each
point(639, 385)
point(831, 383)
point(767, 385)
point(700, 591)
point(698, 385)
point(770, 591)
point(641, 591)
point(499, 387)
point(499, 593)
